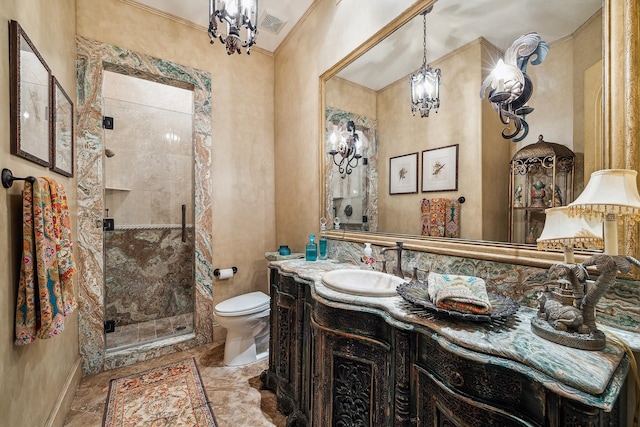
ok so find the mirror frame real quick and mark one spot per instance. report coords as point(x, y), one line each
point(621, 131)
point(19, 134)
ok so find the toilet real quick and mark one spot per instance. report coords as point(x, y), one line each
point(246, 319)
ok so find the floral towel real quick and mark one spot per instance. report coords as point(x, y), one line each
point(45, 290)
point(466, 294)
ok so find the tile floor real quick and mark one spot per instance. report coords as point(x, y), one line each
point(235, 393)
point(144, 332)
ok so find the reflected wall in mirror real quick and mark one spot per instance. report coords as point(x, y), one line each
point(567, 100)
point(30, 98)
point(62, 120)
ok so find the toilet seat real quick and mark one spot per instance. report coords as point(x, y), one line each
point(241, 305)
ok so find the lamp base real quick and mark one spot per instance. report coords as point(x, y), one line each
point(595, 340)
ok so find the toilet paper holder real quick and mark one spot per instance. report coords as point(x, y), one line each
point(216, 272)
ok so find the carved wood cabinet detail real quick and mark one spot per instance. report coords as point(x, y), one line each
point(330, 365)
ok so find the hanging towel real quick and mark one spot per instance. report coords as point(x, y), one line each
point(440, 217)
point(466, 294)
point(45, 291)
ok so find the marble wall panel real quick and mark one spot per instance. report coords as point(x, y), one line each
point(148, 274)
point(93, 58)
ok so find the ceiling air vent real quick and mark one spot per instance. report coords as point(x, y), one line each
point(271, 24)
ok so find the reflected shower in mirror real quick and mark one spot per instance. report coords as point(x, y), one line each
point(466, 48)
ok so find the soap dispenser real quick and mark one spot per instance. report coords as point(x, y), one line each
point(367, 250)
point(311, 249)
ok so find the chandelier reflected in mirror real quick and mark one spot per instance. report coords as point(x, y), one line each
point(236, 15)
point(344, 147)
point(425, 83)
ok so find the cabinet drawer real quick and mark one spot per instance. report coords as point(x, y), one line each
point(438, 405)
point(481, 380)
point(358, 323)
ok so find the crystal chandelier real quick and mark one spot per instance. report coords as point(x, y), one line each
point(236, 15)
point(425, 83)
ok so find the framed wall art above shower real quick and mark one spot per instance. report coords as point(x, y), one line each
point(30, 94)
point(62, 123)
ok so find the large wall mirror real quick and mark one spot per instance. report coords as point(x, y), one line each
point(574, 103)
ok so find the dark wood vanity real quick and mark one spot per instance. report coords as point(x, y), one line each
point(334, 363)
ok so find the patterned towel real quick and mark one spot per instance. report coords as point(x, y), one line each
point(440, 217)
point(466, 294)
point(45, 291)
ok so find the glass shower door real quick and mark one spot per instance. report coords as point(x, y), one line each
point(149, 209)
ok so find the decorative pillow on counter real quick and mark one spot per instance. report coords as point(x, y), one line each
point(466, 294)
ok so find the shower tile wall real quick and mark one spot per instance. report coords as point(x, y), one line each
point(149, 274)
point(150, 176)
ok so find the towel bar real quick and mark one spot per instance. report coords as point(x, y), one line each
point(8, 178)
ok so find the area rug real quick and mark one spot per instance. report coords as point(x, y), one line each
point(169, 395)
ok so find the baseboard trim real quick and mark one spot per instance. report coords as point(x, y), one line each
point(65, 397)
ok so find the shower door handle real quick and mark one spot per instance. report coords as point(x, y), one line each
point(184, 223)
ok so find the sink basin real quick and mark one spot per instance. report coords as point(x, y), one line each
point(362, 282)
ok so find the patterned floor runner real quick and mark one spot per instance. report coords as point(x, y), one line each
point(169, 395)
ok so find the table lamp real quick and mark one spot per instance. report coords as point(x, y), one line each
point(610, 196)
point(564, 232)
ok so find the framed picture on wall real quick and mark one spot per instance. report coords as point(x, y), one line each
point(440, 169)
point(30, 94)
point(62, 119)
point(403, 174)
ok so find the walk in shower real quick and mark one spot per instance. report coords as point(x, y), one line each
point(148, 170)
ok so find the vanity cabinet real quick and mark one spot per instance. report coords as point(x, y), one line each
point(334, 363)
point(355, 375)
point(289, 373)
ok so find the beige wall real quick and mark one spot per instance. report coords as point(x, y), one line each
point(329, 32)
point(37, 376)
point(478, 159)
point(242, 130)
point(348, 96)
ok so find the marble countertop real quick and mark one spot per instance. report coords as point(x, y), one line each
point(589, 376)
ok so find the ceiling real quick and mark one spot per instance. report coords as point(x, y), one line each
point(454, 23)
point(450, 25)
point(197, 11)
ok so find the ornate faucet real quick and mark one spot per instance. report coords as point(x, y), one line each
point(398, 270)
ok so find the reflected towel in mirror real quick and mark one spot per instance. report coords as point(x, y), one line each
point(466, 294)
point(440, 217)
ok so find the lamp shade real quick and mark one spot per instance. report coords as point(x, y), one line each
point(609, 191)
point(561, 231)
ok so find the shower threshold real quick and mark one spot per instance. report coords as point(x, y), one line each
point(137, 334)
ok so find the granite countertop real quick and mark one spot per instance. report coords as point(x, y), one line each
point(589, 376)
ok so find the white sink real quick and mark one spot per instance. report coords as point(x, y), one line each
point(362, 282)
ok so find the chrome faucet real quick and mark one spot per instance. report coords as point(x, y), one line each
point(398, 248)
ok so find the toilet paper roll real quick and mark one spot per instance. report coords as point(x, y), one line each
point(225, 273)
